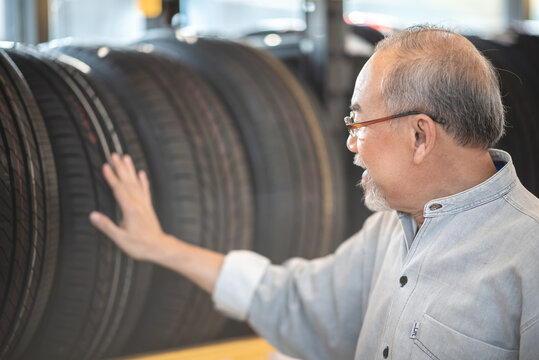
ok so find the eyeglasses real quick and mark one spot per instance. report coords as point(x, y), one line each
point(353, 127)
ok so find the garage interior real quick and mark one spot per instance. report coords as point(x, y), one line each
point(234, 109)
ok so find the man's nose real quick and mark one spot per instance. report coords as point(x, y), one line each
point(351, 143)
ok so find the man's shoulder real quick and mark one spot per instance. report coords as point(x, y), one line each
point(525, 203)
point(522, 201)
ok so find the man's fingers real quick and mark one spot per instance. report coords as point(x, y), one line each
point(113, 182)
point(122, 172)
point(107, 226)
point(143, 178)
point(127, 186)
point(121, 167)
point(110, 177)
point(130, 167)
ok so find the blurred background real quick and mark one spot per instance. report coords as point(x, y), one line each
point(33, 21)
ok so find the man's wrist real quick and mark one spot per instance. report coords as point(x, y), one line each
point(202, 266)
point(165, 247)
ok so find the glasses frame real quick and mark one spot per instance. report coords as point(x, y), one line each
point(351, 125)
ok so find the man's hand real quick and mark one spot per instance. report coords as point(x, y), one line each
point(140, 234)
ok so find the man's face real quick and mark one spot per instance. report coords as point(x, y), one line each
point(379, 147)
point(374, 198)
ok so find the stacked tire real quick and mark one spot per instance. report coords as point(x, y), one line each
point(29, 214)
point(229, 162)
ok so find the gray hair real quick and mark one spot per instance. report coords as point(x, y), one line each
point(442, 73)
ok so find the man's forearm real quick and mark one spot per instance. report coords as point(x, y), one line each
point(202, 266)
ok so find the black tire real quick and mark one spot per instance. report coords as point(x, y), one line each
point(330, 166)
point(29, 214)
point(93, 279)
point(295, 188)
point(201, 182)
point(115, 120)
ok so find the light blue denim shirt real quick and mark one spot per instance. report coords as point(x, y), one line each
point(466, 286)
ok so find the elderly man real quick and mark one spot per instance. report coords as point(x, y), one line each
point(447, 267)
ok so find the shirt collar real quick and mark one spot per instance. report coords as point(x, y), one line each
point(493, 188)
point(409, 227)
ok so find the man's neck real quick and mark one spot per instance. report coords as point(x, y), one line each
point(467, 168)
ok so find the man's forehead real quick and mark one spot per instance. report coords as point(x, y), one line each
point(363, 75)
point(367, 82)
point(361, 86)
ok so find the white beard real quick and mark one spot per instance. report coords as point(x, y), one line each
point(372, 196)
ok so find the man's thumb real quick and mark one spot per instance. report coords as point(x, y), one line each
point(105, 225)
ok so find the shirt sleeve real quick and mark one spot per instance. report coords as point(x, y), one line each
point(238, 279)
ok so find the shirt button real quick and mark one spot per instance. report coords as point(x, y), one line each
point(403, 280)
point(386, 352)
point(435, 207)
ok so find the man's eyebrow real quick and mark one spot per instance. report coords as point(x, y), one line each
point(355, 107)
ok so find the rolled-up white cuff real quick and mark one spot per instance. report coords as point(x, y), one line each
point(236, 284)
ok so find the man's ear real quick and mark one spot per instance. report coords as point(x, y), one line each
point(424, 130)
